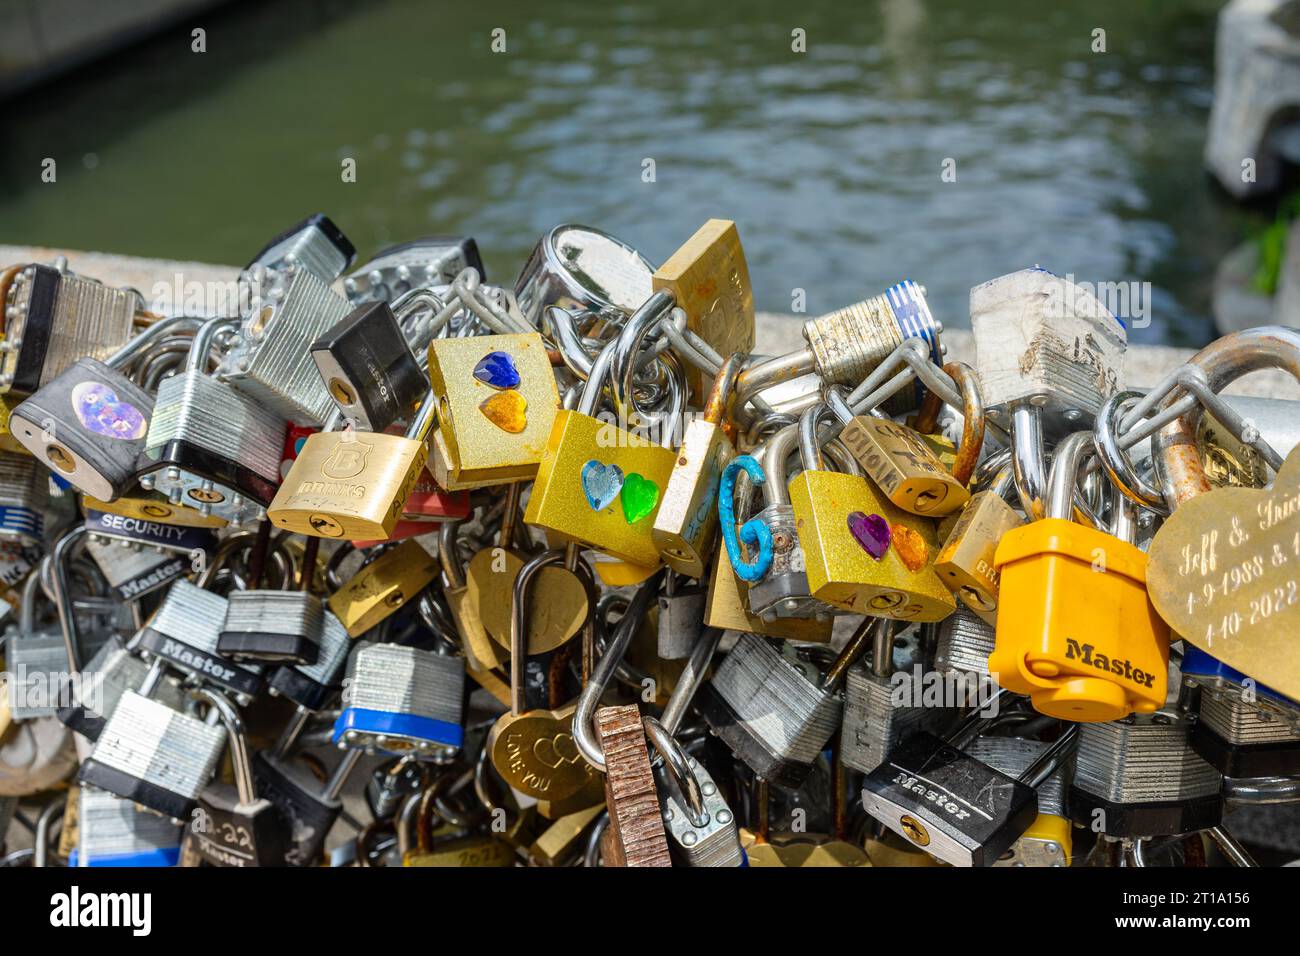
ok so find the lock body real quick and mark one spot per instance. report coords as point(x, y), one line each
point(383, 586)
point(903, 466)
point(315, 244)
point(272, 626)
point(1084, 642)
point(578, 496)
point(226, 832)
point(368, 368)
point(91, 699)
point(497, 400)
point(687, 520)
point(843, 574)
point(402, 700)
point(965, 562)
point(112, 831)
point(958, 808)
point(88, 425)
point(420, 263)
point(875, 722)
point(348, 485)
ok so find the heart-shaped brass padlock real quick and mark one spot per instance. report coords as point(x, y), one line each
point(535, 753)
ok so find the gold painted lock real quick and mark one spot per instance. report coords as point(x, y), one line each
point(687, 522)
point(862, 554)
point(8, 442)
point(353, 484)
point(598, 484)
point(383, 586)
point(965, 562)
point(497, 398)
point(709, 280)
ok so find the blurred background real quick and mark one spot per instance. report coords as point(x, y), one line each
point(830, 161)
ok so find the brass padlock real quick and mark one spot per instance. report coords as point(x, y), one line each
point(965, 562)
point(861, 553)
point(687, 521)
point(899, 461)
point(709, 279)
point(599, 485)
point(497, 400)
point(382, 586)
point(353, 484)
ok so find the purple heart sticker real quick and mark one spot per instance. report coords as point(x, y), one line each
point(870, 531)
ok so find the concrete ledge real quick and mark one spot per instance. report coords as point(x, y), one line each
point(777, 333)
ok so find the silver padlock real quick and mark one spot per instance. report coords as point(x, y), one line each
point(965, 642)
point(212, 447)
point(36, 659)
point(578, 267)
point(700, 827)
point(113, 831)
point(875, 716)
point(310, 686)
point(24, 496)
point(272, 364)
point(315, 244)
point(681, 617)
point(52, 318)
point(133, 571)
point(183, 634)
point(272, 626)
point(400, 700)
point(159, 757)
point(419, 264)
point(94, 694)
point(775, 709)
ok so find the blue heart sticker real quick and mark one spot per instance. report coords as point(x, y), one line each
point(498, 370)
point(601, 484)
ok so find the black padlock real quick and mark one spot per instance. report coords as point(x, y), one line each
point(958, 809)
point(232, 825)
point(309, 806)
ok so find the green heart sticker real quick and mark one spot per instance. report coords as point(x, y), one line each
point(640, 495)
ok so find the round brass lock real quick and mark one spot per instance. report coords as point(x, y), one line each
point(914, 830)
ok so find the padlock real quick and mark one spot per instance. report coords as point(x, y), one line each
point(93, 695)
point(535, 750)
point(957, 808)
point(965, 562)
point(421, 263)
point(481, 653)
point(681, 618)
point(490, 579)
point(276, 626)
point(106, 526)
point(113, 831)
point(159, 757)
point(37, 661)
point(709, 280)
point(497, 402)
point(134, 571)
point(700, 826)
point(727, 608)
point(24, 487)
point(382, 586)
point(1139, 777)
point(899, 462)
point(209, 446)
point(315, 244)
point(1047, 841)
point(599, 485)
point(183, 634)
point(310, 805)
point(366, 363)
point(402, 700)
point(1084, 642)
point(311, 686)
point(429, 504)
point(232, 825)
point(1244, 729)
point(686, 525)
point(846, 345)
point(964, 645)
point(862, 554)
point(578, 267)
point(53, 318)
point(880, 710)
point(272, 364)
point(353, 484)
point(774, 709)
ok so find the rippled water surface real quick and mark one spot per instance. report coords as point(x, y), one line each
point(830, 161)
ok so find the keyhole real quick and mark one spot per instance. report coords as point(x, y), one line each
point(59, 455)
point(914, 831)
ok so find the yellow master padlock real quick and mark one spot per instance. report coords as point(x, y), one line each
point(1077, 633)
point(598, 484)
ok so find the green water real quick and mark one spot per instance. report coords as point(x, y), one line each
point(830, 161)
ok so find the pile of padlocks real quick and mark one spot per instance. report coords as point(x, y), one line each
point(576, 578)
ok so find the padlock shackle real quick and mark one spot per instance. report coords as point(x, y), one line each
point(677, 769)
point(27, 604)
point(978, 720)
point(563, 326)
point(1065, 473)
point(237, 738)
point(1047, 762)
point(863, 639)
point(422, 422)
point(1115, 459)
point(584, 731)
point(767, 372)
point(63, 593)
point(776, 489)
point(679, 701)
point(519, 618)
point(153, 333)
point(1028, 460)
point(204, 338)
point(717, 406)
point(451, 568)
point(1222, 361)
point(973, 418)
